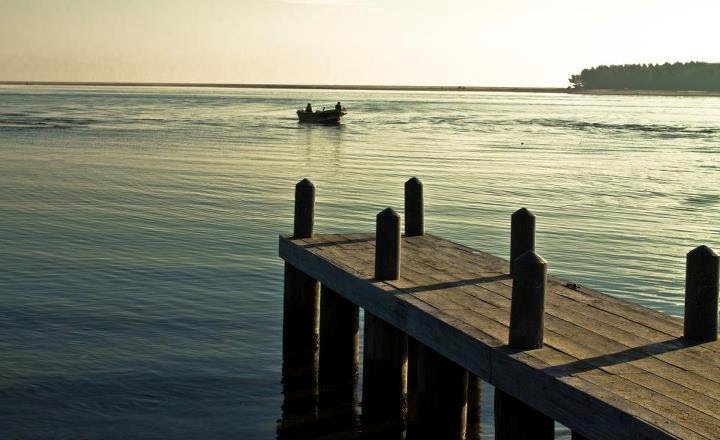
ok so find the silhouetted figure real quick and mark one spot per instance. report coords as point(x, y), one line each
point(308, 109)
point(338, 107)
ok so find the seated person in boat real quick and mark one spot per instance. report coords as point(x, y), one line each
point(308, 109)
point(338, 107)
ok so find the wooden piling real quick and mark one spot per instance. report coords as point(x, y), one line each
point(441, 397)
point(414, 210)
point(339, 359)
point(384, 394)
point(473, 428)
point(414, 226)
point(527, 309)
point(514, 419)
point(701, 295)
point(301, 301)
point(522, 234)
point(387, 246)
point(304, 209)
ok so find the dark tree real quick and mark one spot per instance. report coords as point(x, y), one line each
point(694, 75)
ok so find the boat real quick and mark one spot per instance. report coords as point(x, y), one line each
point(322, 116)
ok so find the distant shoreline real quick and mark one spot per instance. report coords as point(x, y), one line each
point(293, 86)
point(371, 88)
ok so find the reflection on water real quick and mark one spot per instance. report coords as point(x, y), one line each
point(140, 288)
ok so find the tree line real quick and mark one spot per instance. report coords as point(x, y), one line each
point(677, 76)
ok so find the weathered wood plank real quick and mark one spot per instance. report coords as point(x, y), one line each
point(707, 351)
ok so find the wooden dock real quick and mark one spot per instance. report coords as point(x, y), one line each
point(605, 368)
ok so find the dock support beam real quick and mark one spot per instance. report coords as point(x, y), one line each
point(514, 419)
point(301, 296)
point(701, 295)
point(384, 391)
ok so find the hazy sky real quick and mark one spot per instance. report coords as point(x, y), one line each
point(419, 42)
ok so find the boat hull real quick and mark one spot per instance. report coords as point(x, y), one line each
point(321, 117)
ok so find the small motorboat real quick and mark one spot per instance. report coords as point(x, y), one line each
point(322, 116)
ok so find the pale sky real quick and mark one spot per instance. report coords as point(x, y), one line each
point(392, 42)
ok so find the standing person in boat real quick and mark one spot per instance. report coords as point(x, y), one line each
point(308, 109)
point(338, 107)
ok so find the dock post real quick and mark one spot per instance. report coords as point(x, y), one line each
point(414, 210)
point(701, 295)
point(522, 234)
point(414, 226)
point(339, 361)
point(384, 393)
point(513, 418)
point(300, 321)
point(441, 397)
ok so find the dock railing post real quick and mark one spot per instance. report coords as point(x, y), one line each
point(414, 210)
point(527, 309)
point(384, 393)
point(300, 319)
point(522, 234)
point(513, 418)
point(701, 294)
point(387, 245)
point(304, 219)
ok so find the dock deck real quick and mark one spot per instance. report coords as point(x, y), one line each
point(609, 369)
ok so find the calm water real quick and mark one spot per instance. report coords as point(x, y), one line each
point(140, 291)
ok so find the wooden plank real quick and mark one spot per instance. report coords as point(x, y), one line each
point(705, 353)
point(650, 318)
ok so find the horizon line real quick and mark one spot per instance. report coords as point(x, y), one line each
point(291, 86)
point(369, 87)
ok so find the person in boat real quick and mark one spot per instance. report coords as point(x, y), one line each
point(338, 107)
point(308, 109)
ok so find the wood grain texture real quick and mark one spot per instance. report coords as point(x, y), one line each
point(625, 365)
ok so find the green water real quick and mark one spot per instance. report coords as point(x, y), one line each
point(140, 288)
